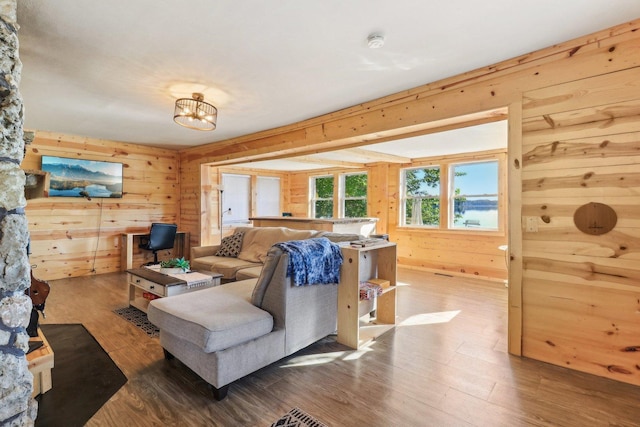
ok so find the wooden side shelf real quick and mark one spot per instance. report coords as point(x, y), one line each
point(40, 364)
point(359, 265)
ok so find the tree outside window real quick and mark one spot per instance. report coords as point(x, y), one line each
point(422, 196)
point(322, 200)
point(354, 203)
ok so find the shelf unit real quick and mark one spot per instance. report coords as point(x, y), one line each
point(359, 265)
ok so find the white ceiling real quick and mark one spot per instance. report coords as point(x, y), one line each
point(113, 69)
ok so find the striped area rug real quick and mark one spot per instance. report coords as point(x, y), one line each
point(298, 418)
point(139, 319)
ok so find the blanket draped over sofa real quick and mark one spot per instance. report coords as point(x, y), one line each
point(312, 261)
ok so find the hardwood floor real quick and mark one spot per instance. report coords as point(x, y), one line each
point(445, 364)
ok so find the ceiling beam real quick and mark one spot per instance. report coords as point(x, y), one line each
point(377, 156)
point(329, 162)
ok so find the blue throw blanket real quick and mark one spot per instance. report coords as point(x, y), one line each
point(312, 261)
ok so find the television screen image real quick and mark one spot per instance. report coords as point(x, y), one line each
point(83, 178)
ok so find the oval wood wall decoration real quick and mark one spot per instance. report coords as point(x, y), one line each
point(595, 218)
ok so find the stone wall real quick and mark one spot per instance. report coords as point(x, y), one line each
point(17, 408)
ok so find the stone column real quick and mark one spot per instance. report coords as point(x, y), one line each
point(17, 408)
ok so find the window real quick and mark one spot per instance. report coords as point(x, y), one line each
point(267, 196)
point(421, 196)
point(351, 198)
point(354, 200)
point(473, 200)
point(236, 199)
point(322, 196)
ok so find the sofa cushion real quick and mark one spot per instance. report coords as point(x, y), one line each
point(249, 273)
point(226, 266)
point(189, 316)
point(257, 241)
point(231, 245)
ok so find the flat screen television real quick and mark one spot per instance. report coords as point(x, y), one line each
point(83, 178)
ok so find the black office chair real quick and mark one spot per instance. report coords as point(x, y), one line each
point(161, 236)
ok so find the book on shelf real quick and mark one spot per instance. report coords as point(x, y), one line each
point(380, 282)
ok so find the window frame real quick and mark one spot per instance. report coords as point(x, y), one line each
point(312, 194)
point(446, 207)
point(404, 197)
point(453, 196)
point(342, 197)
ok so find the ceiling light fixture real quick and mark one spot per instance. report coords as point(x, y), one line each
point(375, 41)
point(194, 113)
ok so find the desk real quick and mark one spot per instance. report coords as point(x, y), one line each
point(131, 254)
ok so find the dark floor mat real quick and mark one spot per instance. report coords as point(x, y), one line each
point(84, 377)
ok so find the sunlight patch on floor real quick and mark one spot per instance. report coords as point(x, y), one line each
point(322, 358)
point(430, 318)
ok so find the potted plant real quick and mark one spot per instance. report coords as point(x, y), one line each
point(174, 265)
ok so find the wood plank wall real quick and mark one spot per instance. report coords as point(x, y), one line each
point(75, 237)
point(495, 86)
point(581, 144)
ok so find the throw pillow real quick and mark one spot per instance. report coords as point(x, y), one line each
point(231, 245)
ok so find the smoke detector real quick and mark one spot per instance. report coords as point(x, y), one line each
point(375, 41)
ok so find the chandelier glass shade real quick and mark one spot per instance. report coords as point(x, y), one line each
point(194, 113)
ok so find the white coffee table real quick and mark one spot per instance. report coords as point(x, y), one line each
point(146, 285)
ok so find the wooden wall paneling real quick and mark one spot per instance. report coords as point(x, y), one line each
point(299, 194)
point(209, 215)
point(461, 252)
point(74, 236)
point(585, 325)
point(514, 217)
point(616, 125)
point(604, 150)
point(285, 192)
point(479, 265)
point(591, 114)
point(378, 195)
point(581, 294)
point(602, 90)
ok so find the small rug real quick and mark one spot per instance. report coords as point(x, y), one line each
point(298, 418)
point(83, 376)
point(138, 318)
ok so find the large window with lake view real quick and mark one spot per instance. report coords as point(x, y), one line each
point(473, 195)
point(451, 196)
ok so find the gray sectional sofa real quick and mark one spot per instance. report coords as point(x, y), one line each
point(227, 332)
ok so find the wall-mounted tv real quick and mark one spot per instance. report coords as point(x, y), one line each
point(83, 178)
